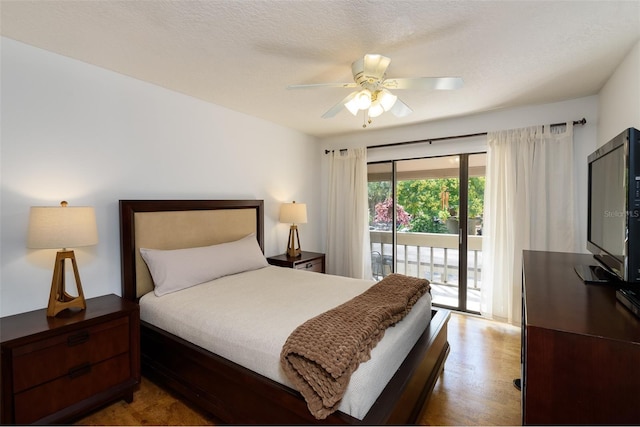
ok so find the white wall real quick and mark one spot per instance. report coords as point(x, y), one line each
point(584, 139)
point(619, 101)
point(90, 136)
point(75, 132)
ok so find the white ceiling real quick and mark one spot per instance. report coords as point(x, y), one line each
point(241, 54)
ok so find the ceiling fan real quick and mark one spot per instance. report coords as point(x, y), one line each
point(372, 86)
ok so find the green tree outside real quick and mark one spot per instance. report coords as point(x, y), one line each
point(429, 202)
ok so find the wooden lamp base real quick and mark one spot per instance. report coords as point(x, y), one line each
point(292, 251)
point(59, 299)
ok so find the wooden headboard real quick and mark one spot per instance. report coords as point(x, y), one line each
point(177, 224)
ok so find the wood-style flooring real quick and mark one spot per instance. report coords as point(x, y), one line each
point(474, 389)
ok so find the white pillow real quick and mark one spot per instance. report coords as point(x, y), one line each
point(173, 270)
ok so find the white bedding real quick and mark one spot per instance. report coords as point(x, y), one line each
point(247, 317)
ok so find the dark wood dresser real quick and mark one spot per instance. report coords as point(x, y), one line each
point(56, 369)
point(580, 347)
point(310, 261)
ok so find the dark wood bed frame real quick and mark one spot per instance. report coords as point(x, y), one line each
point(236, 395)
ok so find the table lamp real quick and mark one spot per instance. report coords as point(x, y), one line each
point(293, 213)
point(62, 227)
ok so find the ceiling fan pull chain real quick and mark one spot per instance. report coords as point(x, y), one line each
point(366, 119)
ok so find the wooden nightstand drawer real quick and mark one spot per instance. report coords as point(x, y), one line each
point(86, 381)
point(308, 261)
point(56, 369)
point(316, 265)
point(49, 359)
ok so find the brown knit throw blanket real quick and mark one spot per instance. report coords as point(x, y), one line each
point(322, 353)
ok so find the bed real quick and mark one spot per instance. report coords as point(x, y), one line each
point(231, 392)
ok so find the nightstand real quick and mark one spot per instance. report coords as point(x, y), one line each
point(56, 369)
point(309, 261)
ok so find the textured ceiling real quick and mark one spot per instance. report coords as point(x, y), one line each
point(241, 54)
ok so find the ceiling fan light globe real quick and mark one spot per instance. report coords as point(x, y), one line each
point(364, 99)
point(352, 106)
point(376, 109)
point(387, 99)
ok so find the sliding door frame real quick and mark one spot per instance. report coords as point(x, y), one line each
point(463, 213)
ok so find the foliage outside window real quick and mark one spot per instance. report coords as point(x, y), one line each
point(383, 218)
point(423, 206)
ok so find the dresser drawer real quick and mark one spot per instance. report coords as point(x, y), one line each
point(80, 384)
point(316, 265)
point(65, 354)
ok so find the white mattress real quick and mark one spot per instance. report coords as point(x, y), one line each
point(247, 317)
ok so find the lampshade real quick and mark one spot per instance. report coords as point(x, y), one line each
point(61, 227)
point(293, 213)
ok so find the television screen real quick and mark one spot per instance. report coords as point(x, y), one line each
point(608, 214)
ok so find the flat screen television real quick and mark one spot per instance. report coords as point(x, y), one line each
point(613, 234)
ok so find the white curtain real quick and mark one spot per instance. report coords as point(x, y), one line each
point(529, 204)
point(348, 248)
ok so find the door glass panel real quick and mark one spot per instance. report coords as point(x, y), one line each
point(427, 238)
point(380, 177)
point(477, 172)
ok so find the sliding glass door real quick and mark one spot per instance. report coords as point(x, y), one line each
point(415, 208)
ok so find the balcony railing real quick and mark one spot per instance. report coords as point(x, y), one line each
point(433, 256)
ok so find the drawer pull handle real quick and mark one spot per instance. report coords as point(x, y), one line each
point(80, 370)
point(78, 338)
point(309, 265)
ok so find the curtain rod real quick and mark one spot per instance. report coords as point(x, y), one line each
point(445, 138)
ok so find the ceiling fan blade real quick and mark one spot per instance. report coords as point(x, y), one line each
point(400, 109)
point(339, 106)
point(317, 85)
point(437, 83)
